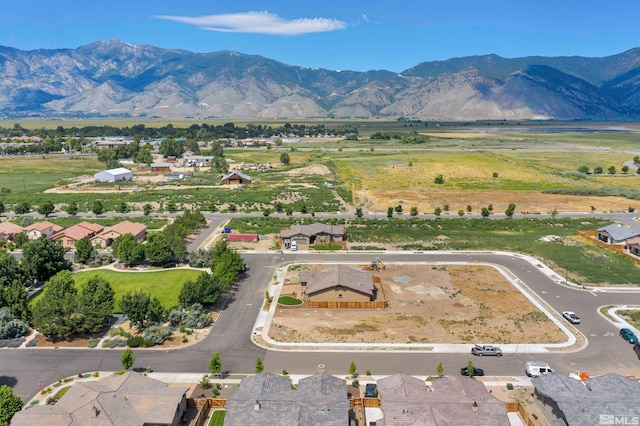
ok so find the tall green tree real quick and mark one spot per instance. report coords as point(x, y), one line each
point(510, 210)
point(43, 258)
point(46, 208)
point(259, 366)
point(284, 159)
point(158, 249)
point(215, 363)
point(10, 404)
point(85, 252)
point(135, 306)
point(155, 312)
point(54, 315)
point(95, 304)
point(22, 208)
point(127, 359)
point(10, 270)
point(97, 208)
point(129, 251)
point(15, 297)
point(71, 208)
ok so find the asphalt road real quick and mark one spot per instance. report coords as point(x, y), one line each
point(23, 368)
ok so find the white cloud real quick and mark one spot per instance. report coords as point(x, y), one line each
point(259, 23)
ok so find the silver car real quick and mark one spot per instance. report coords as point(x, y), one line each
point(486, 350)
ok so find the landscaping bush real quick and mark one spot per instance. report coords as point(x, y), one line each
point(92, 343)
point(176, 316)
point(138, 341)
point(157, 334)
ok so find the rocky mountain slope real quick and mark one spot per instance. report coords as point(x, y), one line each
point(114, 78)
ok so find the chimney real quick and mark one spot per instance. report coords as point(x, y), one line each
point(256, 406)
point(474, 406)
point(96, 411)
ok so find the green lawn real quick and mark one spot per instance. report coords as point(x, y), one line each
point(289, 301)
point(217, 418)
point(165, 285)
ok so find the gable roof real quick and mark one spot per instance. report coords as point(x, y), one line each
point(584, 402)
point(630, 242)
point(118, 171)
point(124, 227)
point(43, 226)
point(10, 228)
point(313, 229)
point(338, 275)
point(268, 399)
point(236, 173)
point(79, 231)
point(129, 399)
point(620, 232)
point(406, 400)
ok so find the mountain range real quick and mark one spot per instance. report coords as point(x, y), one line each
point(115, 78)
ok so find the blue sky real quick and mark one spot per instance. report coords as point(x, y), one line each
point(334, 34)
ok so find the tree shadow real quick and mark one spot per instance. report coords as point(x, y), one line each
point(9, 381)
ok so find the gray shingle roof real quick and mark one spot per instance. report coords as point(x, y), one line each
point(584, 402)
point(267, 399)
point(338, 275)
point(620, 232)
point(128, 399)
point(236, 173)
point(406, 400)
point(311, 230)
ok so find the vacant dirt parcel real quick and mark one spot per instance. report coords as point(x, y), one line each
point(427, 304)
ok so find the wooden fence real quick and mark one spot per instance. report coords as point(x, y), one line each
point(516, 407)
point(365, 402)
point(351, 305)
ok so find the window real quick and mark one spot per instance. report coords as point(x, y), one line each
point(339, 295)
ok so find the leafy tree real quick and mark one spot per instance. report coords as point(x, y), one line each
point(398, 209)
point(470, 369)
point(147, 209)
point(85, 252)
point(22, 208)
point(437, 211)
point(625, 169)
point(469, 208)
point(95, 304)
point(304, 209)
point(21, 239)
point(43, 258)
point(128, 250)
point(390, 212)
point(46, 208)
point(106, 155)
point(204, 290)
point(359, 212)
point(414, 211)
point(612, 170)
point(353, 369)
point(439, 180)
point(215, 363)
point(15, 297)
point(135, 306)
point(2, 208)
point(266, 212)
point(494, 175)
point(259, 365)
point(289, 210)
point(171, 206)
point(54, 315)
point(636, 160)
point(123, 207)
point(205, 383)
point(10, 404)
point(227, 268)
point(10, 270)
point(71, 208)
point(97, 208)
point(490, 207)
point(439, 369)
point(583, 169)
point(143, 157)
point(158, 249)
point(127, 359)
point(284, 159)
point(460, 212)
point(598, 170)
point(510, 210)
point(485, 212)
point(155, 312)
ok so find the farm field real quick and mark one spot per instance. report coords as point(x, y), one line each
point(427, 304)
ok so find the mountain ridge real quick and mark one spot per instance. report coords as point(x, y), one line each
point(116, 78)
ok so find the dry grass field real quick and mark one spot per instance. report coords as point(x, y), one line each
point(427, 304)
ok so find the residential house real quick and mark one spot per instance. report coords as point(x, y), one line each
point(339, 283)
point(106, 237)
point(197, 160)
point(267, 399)
point(113, 175)
point(617, 233)
point(235, 178)
point(70, 236)
point(452, 400)
point(633, 246)
point(129, 399)
point(9, 230)
point(577, 402)
point(44, 228)
point(160, 167)
point(313, 234)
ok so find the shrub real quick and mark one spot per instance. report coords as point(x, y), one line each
point(157, 334)
point(176, 316)
point(136, 342)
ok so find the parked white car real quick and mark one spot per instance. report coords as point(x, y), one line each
point(571, 317)
point(537, 368)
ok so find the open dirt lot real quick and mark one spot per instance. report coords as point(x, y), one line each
point(427, 304)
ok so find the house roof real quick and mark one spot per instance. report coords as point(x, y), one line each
point(129, 399)
point(268, 399)
point(584, 402)
point(79, 231)
point(43, 226)
point(631, 242)
point(236, 173)
point(160, 165)
point(620, 232)
point(123, 228)
point(10, 228)
point(338, 275)
point(311, 230)
point(406, 400)
point(117, 171)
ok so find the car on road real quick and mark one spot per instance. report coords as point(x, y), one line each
point(371, 390)
point(571, 317)
point(636, 349)
point(628, 335)
point(476, 371)
point(486, 350)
